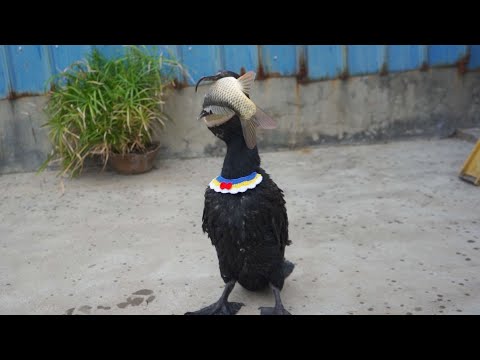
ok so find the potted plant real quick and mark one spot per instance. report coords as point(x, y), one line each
point(111, 109)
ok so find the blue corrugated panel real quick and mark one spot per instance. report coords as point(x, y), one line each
point(3, 73)
point(440, 55)
point(150, 49)
point(30, 68)
point(404, 57)
point(201, 60)
point(474, 57)
point(365, 59)
point(169, 51)
point(166, 50)
point(325, 61)
point(279, 59)
point(111, 51)
point(65, 55)
point(240, 56)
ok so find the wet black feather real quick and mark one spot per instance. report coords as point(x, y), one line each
point(249, 230)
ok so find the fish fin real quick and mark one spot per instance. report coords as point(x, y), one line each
point(262, 120)
point(249, 133)
point(215, 119)
point(246, 81)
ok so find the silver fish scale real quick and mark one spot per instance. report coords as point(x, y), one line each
point(226, 92)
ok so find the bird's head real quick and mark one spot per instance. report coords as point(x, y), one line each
point(232, 129)
point(219, 75)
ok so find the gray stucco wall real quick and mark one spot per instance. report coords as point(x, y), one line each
point(23, 142)
point(359, 109)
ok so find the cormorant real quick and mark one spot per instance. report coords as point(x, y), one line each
point(249, 229)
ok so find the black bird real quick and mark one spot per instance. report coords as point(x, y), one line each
point(248, 229)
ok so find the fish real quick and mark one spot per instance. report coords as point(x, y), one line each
point(228, 96)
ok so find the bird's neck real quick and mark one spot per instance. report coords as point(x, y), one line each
point(240, 160)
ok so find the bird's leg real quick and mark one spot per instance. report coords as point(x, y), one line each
point(222, 306)
point(279, 309)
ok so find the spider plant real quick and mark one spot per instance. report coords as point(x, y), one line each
point(101, 106)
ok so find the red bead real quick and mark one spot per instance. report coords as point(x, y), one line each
point(227, 186)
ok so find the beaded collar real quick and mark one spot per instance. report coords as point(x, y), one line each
point(234, 186)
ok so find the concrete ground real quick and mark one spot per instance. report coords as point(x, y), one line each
point(376, 229)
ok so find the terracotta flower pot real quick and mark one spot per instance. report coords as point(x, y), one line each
point(134, 163)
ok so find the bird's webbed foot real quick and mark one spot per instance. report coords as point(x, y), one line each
point(273, 311)
point(219, 308)
point(278, 309)
point(222, 306)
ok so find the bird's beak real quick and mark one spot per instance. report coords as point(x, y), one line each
point(219, 75)
point(202, 114)
point(210, 78)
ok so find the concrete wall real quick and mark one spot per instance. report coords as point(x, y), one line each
point(24, 143)
point(359, 109)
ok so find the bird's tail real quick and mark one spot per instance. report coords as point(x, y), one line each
point(288, 267)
